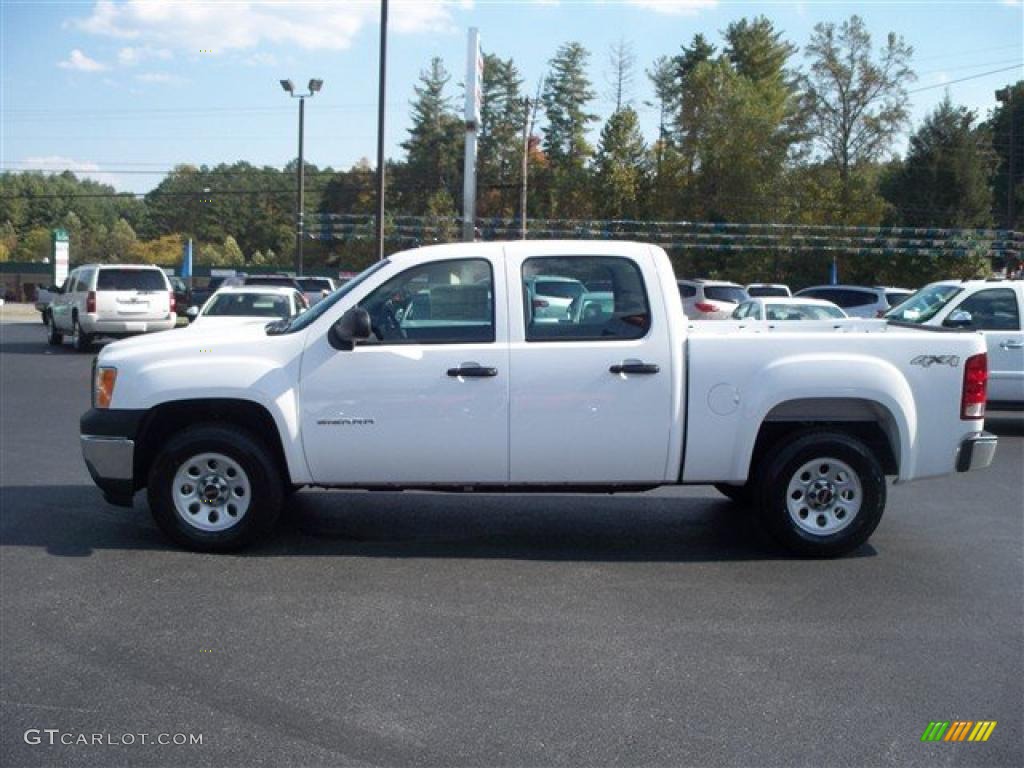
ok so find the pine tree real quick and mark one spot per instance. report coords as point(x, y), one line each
point(434, 146)
point(567, 92)
point(620, 166)
point(502, 114)
point(944, 179)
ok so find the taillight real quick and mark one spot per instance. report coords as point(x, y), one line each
point(90, 302)
point(539, 303)
point(703, 306)
point(174, 302)
point(972, 402)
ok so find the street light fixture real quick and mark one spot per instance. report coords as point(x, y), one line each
point(314, 87)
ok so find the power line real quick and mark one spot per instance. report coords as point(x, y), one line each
point(964, 79)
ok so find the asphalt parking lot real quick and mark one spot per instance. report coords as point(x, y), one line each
point(422, 629)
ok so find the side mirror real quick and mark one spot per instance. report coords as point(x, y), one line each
point(351, 327)
point(192, 313)
point(959, 318)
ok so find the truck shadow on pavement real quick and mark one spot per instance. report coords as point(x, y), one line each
point(72, 521)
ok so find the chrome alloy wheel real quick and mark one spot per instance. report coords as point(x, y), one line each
point(824, 496)
point(211, 492)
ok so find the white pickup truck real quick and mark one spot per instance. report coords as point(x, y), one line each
point(433, 370)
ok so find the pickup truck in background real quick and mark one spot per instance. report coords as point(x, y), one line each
point(432, 370)
point(992, 307)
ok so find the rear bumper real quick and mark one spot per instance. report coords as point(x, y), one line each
point(976, 451)
point(98, 327)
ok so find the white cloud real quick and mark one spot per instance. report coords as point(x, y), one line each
point(676, 7)
point(79, 62)
point(195, 26)
point(131, 56)
point(81, 168)
point(159, 77)
point(1012, 3)
point(262, 59)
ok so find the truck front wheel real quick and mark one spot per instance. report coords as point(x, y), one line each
point(215, 488)
point(822, 494)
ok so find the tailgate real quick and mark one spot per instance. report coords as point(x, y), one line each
point(132, 294)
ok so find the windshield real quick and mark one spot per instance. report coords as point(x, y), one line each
point(562, 290)
point(248, 305)
point(766, 290)
point(731, 293)
point(803, 312)
point(923, 305)
point(282, 281)
point(314, 283)
point(304, 320)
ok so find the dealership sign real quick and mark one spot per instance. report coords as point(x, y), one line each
point(61, 256)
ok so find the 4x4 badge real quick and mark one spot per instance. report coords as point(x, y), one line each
point(927, 361)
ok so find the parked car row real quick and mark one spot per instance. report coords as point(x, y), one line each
point(115, 301)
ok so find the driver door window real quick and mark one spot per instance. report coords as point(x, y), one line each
point(447, 302)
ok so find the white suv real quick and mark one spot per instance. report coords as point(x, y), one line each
point(710, 299)
point(858, 300)
point(110, 300)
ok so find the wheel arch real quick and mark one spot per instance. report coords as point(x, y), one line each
point(166, 419)
point(870, 421)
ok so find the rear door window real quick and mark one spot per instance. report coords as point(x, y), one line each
point(994, 309)
point(620, 313)
point(131, 280)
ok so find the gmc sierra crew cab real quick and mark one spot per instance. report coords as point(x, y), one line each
point(439, 368)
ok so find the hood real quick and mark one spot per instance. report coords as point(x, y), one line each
point(207, 323)
point(237, 336)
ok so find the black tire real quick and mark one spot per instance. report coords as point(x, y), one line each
point(53, 337)
point(781, 467)
point(742, 495)
point(81, 341)
point(263, 474)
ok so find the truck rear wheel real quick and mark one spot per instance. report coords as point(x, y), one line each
point(822, 494)
point(215, 488)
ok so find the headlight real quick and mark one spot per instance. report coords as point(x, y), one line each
point(103, 387)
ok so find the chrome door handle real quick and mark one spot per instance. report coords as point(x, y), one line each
point(472, 370)
point(634, 366)
point(1012, 344)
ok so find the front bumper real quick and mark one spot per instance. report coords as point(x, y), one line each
point(108, 447)
point(976, 451)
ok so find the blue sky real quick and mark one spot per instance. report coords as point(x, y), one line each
point(125, 90)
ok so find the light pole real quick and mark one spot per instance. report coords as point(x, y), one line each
point(381, 91)
point(314, 87)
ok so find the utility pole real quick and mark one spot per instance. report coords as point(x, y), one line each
point(1005, 96)
point(381, 89)
point(525, 168)
point(474, 76)
point(529, 118)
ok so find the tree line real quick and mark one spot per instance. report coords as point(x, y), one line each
point(750, 129)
